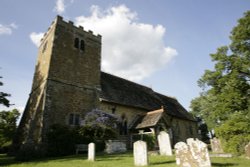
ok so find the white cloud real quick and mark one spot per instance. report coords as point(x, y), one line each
point(130, 49)
point(36, 38)
point(13, 26)
point(60, 6)
point(7, 29)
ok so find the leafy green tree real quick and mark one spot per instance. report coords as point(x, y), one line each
point(224, 103)
point(3, 97)
point(8, 125)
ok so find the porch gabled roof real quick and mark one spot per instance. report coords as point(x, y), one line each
point(150, 119)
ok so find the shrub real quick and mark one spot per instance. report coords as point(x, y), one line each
point(30, 152)
point(97, 134)
point(236, 144)
point(5, 147)
point(61, 140)
point(235, 133)
point(148, 138)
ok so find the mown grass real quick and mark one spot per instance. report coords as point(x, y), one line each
point(116, 160)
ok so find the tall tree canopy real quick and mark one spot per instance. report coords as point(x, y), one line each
point(224, 103)
point(8, 125)
point(3, 97)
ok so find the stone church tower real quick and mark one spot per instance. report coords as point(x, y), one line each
point(66, 82)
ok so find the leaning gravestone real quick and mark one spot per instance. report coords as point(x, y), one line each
point(216, 145)
point(164, 143)
point(199, 152)
point(183, 155)
point(140, 153)
point(91, 152)
point(247, 150)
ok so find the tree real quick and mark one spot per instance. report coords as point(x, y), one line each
point(99, 125)
point(3, 97)
point(8, 125)
point(225, 99)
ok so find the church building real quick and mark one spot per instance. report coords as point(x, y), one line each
point(68, 83)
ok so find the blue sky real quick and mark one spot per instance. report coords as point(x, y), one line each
point(170, 40)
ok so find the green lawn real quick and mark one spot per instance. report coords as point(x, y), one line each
point(121, 160)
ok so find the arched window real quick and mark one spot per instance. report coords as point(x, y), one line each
point(123, 125)
point(113, 109)
point(76, 43)
point(82, 45)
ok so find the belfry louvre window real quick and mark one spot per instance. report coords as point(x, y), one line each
point(82, 45)
point(76, 43)
point(74, 119)
point(79, 44)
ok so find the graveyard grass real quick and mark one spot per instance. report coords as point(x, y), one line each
point(115, 160)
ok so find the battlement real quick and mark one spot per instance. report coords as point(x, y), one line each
point(69, 25)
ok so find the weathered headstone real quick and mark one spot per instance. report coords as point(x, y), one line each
point(115, 146)
point(192, 154)
point(91, 152)
point(183, 155)
point(164, 143)
point(140, 153)
point(247, 150)
point(216, 145)
point(199, 152)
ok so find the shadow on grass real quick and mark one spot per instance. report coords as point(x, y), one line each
point(224, 164)
point(113, 157)
point(6, 160)
point(163, 162)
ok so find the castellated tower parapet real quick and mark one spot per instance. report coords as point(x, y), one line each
point(66, 81)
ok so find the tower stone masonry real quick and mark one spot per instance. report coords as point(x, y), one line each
point(66, 80)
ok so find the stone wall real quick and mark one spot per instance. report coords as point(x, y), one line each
point(73, 65)
point(75, 100)
point(30, 127)
point(129, 112)
point(183, 129)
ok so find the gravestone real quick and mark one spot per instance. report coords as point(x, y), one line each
point(140, 153)
point(183, 155)
point(91, 152)
point(164, 143)
point(192, 154)
point(115, 146)
point(199, 152)
point(216, 145)
point(247, 150)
